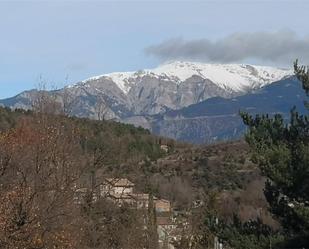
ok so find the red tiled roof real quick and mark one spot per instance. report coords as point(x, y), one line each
point(164, 221)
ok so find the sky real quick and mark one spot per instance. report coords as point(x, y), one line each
point(63, 42)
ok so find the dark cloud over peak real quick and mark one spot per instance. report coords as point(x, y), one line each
point(280, 47)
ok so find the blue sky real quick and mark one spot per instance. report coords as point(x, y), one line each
point(68, 41)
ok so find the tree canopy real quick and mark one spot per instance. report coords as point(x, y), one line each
point(281, 149)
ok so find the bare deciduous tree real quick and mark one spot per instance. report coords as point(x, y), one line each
point(39, 167)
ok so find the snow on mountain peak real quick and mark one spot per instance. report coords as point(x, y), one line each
point(235, 77)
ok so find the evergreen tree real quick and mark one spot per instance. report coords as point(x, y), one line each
point(282, 152)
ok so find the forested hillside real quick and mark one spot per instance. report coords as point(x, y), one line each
point(44, 157)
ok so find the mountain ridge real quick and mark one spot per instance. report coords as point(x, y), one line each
point(218, 118)
point(220, 74)
point(164, 93)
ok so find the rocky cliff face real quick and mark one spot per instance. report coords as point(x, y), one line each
point(218, 118)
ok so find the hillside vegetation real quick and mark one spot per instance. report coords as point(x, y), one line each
point(43, 156)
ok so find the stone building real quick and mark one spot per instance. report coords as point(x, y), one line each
point(116, 186)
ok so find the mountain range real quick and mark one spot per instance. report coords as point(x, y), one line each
point(187, 101)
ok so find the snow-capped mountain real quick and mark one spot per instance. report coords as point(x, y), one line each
point(176, 85)
point(134, 97)
point(233, 77)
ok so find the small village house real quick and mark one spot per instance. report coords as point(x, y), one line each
point(163, 205)
point(116, 187)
